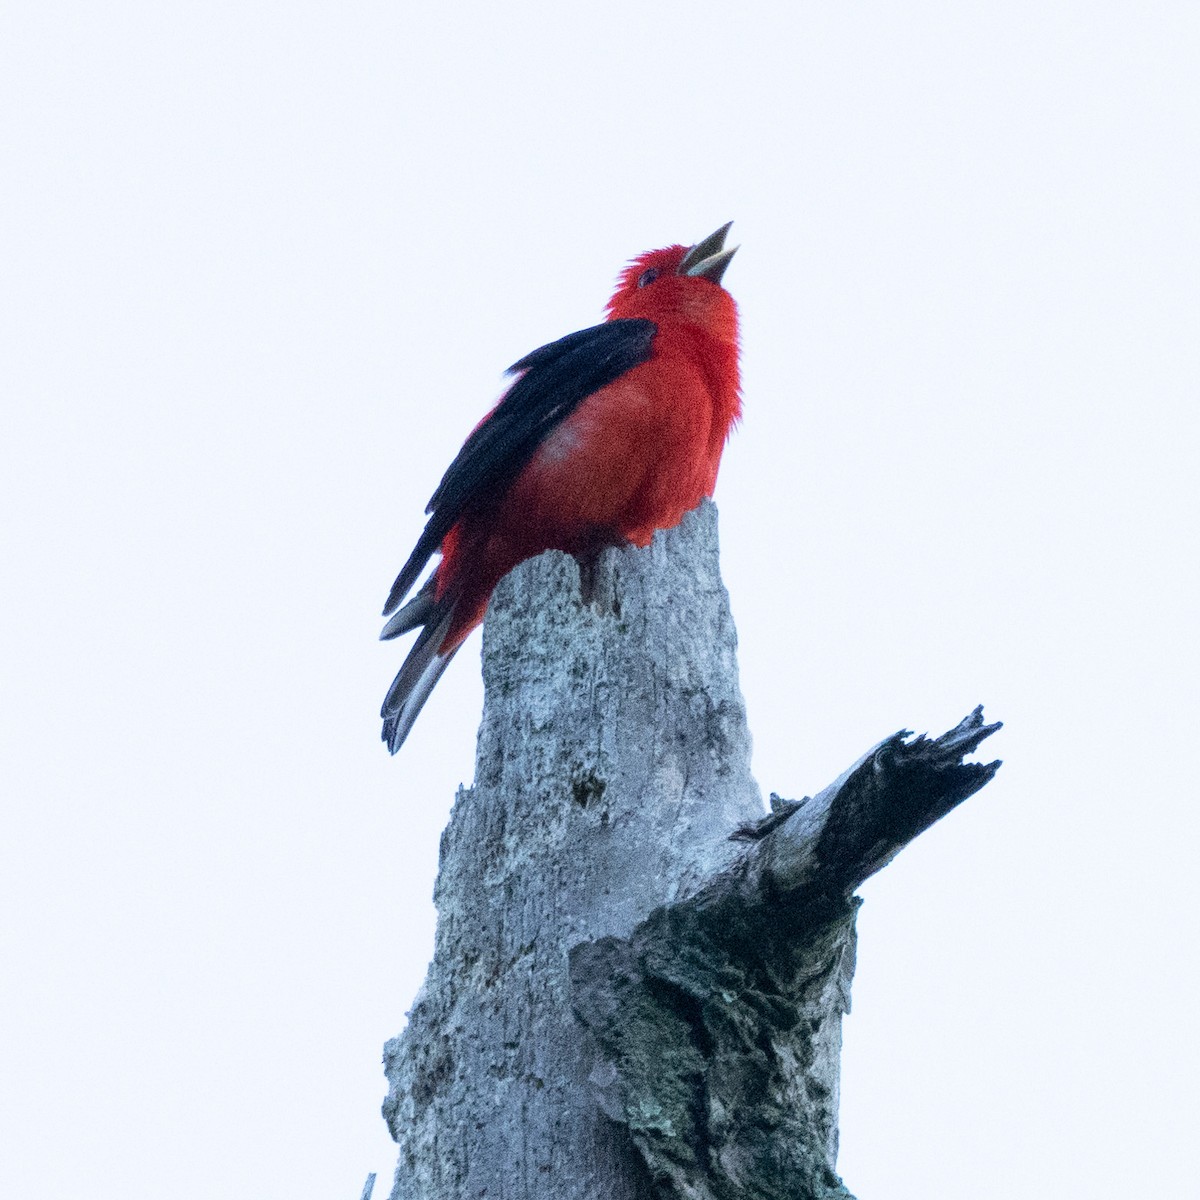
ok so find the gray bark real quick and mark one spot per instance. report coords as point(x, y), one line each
point(638, 979)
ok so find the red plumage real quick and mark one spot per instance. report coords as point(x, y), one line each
point(605, 437)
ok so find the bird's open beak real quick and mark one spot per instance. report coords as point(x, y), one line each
point(707, 259)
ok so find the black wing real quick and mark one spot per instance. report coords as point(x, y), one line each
point(555, 380)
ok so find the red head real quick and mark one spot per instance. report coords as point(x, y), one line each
point(680, 284)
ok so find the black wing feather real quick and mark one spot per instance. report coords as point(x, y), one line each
point(555, 380)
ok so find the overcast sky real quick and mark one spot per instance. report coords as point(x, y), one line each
point(264, 265)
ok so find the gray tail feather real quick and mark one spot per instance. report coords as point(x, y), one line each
point(418, 611)
point(421, 670)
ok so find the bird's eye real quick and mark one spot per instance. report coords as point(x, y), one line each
point(647, 276)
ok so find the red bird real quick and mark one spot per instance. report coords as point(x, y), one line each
point(605, 436)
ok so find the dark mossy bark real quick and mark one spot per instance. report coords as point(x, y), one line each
point(719, 1018)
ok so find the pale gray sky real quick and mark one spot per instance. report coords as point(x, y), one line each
point(264, 265)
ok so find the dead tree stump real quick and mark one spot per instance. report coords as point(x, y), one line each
point(639, 977)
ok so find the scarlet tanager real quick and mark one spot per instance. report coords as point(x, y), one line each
point(604, 437)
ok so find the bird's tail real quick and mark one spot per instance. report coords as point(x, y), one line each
point(424, 665)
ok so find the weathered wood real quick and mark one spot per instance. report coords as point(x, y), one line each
point(613, 763)
point(639, 979)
